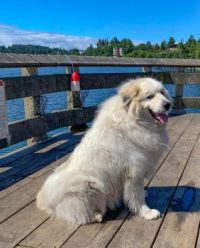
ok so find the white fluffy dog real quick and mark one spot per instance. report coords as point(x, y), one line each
point(109, 165)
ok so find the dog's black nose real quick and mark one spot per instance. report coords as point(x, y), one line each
point(167, 106)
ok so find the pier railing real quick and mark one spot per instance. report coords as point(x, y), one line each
point(32, 86)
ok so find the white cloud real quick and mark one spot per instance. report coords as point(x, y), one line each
point(11, 35)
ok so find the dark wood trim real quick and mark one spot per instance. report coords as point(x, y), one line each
point(190, 102)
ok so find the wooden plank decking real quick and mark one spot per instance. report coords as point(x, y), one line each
point(174, 189)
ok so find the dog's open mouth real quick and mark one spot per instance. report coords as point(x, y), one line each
point(160, 118)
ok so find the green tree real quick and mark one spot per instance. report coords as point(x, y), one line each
point(148, 45)
point(89, 51)
point(74, 51)
point(114, 41)
point(191, 41)
point(156, 47)
point(163, 45)
point(127, 46)
point(171, 43)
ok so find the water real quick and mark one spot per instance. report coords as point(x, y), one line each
point(58, 101)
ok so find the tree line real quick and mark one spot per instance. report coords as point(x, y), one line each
point(166, 49)
point(36, 49)
point(104, 47)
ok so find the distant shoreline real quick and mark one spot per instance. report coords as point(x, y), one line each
point(190, 49)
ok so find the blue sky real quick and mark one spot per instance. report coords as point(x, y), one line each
point(78, 23)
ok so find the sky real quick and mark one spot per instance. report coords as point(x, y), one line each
point(75, 23)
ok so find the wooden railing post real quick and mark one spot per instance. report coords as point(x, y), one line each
point(32, 105)
point(179, 86)
point(147, 69)
point(74, 101)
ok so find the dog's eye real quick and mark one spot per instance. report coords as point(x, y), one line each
point(162, 92)
point(150, 97)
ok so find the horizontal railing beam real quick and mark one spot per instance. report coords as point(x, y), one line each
point(190, 102)
point(30, 60)
point(112, 80)
point(25, 129)
point(20, 87)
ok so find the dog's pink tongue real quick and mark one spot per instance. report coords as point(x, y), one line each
point(163, 118)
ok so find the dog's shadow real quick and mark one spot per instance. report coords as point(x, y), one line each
point(172, 199)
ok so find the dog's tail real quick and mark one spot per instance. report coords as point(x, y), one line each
point(42, 204)
point(40, 200)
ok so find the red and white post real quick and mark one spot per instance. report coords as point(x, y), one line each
point(75, 81)
point(74, 99)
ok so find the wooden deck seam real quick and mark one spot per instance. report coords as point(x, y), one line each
point(23, 246)
point(1, 222)
point(28, 202)
point(70, 236)
point(32, 232)
point(117, 230)
point(197, 237)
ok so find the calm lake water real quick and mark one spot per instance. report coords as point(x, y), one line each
point(58, 101)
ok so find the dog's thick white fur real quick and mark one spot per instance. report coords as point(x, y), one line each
point(109, 165)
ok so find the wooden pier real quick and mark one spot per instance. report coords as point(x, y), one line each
point(174, 188)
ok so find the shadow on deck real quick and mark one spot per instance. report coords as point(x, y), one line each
point(29, 160)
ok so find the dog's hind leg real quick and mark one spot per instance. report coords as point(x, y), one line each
point(81, 209)
point(72, 209)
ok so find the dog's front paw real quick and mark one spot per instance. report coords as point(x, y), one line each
point(152, 214)
point(149, 214)
point(98, 217)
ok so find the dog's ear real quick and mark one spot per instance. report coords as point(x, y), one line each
point(128, 92)
point(166, 93)
point(126, 101)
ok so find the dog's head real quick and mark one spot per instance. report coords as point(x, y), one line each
point(146, 99)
